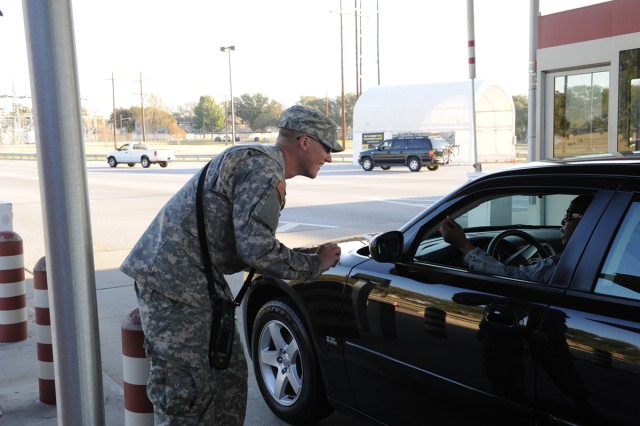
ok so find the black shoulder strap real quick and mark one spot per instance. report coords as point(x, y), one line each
point(204, 247)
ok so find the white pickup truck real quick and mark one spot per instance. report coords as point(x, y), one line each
point(136, 152)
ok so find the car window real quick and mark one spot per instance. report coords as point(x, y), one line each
point(418, 144)
point(516, 210)
point(539, 216)
point(399, 144)
point(385, 145)
point(620, 274)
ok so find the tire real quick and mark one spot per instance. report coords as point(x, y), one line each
point(367, 164)
point(432, 167)
point(385, 167)
point(163, 163)
point(131, 164)
point(112, 162)
point(145, 162)
point(290, 382)
point(414, 164)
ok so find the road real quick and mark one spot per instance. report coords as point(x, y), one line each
point(343, 200)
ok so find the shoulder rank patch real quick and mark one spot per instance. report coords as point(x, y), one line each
point(282, 193)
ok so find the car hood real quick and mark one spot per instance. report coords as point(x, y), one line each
point(354, 249)
point(368, 151)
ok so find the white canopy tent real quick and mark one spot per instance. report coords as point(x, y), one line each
point(443, 109)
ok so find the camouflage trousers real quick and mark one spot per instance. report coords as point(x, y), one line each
point(182, 387)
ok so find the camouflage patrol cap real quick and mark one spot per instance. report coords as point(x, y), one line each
point(314, 123)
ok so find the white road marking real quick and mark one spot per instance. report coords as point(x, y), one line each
point(287, 226)
point(413, 204)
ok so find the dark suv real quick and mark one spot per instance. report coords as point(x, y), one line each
point(410, 152)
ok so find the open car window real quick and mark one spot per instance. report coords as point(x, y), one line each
point(539, 215)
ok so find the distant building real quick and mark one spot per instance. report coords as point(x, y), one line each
point(441, 109)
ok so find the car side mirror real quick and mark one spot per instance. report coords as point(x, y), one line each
point(387, 247)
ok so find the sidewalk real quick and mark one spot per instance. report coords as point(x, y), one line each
point(19, 393)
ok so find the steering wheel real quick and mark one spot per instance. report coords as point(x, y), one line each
point(492, 249)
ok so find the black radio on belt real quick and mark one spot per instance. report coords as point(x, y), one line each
point(222, 333)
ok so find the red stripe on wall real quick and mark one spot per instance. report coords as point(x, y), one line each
point(609, 19)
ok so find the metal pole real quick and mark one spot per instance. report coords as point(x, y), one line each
point(533, 81)
point(472, 76)
point(233, 107)
point(144, 135)
point(113, 95)
point(378, 39)
point(65, 211)
point(344, 121)
point(355, 15)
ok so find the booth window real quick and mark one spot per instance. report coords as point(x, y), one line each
point(629, 101)
point(581, 114)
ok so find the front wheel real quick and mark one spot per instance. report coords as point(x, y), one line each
point(163, 163)
point(112, 162)
point(385, 167)
point(367, 164)
point(286, 366)
point(414, 164)
point(145, 162)
point(131, 164)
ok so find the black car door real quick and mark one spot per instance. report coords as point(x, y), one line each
point(436, 342)
point(589, 363)
point(397, 152)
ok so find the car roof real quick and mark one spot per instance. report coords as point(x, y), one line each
point(586, 172)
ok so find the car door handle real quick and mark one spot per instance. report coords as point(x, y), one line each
point(372, 279)
point(506, 316)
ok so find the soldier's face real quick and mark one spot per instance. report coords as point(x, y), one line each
point(316, 155)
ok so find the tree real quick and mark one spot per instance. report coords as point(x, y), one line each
point(125, 119)
point(207, 115)
point(258, 111)
point(521, 103)
point(335, 107)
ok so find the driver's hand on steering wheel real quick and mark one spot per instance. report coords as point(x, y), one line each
point(453, 234)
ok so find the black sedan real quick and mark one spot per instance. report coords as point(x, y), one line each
point(401, 331)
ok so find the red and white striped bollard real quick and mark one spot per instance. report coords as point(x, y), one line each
point(138, 410)
point(13, 299)
point(46, 375)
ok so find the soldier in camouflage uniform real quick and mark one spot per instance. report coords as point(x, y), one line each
point(244, 193)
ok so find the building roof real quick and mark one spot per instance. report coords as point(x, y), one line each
point(429, 107)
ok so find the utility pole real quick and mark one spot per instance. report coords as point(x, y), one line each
point(113, 96)
point(144, 136)
point(472, 76)
point(344, 119)
point(355, 16)
point(228, 49)
point(378, 38)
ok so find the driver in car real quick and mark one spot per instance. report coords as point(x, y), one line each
point(477, 259)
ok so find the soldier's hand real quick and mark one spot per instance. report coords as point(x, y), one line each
point(330, 254)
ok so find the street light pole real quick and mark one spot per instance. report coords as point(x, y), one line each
point(233, 108)
point(113, 95)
